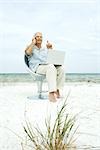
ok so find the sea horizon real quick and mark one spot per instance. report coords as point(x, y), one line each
point(69, 77)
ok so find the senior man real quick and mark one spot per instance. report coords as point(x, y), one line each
point(37, 56)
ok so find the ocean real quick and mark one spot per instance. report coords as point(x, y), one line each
point(70, 77)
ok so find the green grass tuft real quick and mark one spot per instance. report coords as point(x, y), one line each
point(59, 136)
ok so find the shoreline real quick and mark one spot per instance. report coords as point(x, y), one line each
point(35, 82)
point(95, 78)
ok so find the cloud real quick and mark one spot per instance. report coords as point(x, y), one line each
point(70, 25)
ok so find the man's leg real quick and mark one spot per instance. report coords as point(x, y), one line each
point(51, 76)
point(60, 79)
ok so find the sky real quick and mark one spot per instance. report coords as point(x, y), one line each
point(70, 25)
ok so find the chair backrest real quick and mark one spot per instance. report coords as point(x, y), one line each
point(36, 76)
point(26, 60)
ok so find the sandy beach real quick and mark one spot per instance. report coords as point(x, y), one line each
point(83, 101)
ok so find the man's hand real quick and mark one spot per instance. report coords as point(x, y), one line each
point(28, 50)
point(49, 45)
point(33, 41)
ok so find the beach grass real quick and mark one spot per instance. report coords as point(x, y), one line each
point(59, 135)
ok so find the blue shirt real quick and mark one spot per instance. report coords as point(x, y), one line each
point(38, 56)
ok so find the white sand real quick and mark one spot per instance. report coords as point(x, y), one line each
point(84, 100)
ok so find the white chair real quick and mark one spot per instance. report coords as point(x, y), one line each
point(39, 78)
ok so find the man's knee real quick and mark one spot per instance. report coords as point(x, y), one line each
point(52, 68)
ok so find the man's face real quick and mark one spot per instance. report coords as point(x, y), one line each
point(38, 37)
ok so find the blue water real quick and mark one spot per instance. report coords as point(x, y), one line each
point(24, 77)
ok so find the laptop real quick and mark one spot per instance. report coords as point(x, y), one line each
point(55, 57)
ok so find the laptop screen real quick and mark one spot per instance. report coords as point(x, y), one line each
point(56, 57)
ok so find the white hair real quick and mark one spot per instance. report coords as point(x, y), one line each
point(36, 33)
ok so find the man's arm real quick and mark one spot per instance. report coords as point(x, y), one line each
point(29, 48)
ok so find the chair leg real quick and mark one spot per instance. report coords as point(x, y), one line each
point(40, 89)
point(39, 96)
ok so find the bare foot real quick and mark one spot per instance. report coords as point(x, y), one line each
point(52, 97)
